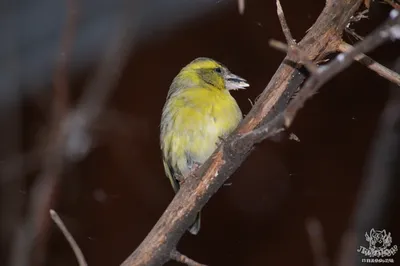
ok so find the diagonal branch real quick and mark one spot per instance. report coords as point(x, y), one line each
point(317, 242)
point(175, 255)
point(241, 6)
point(285, 28)
point(291, 48)
point(393, 4)
point(322, 38)
point(373, 65)
point(77, 251)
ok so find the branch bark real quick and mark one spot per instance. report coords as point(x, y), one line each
point(317, 241)
point(322, 38)
point(379, 69)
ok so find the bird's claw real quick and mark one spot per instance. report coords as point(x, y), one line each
point(222, 140)
point(180, 178)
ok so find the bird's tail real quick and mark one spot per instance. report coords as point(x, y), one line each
point(195, 227)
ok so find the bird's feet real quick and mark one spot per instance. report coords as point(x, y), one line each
point(181, 178)
point(194, 167)
point(222, 140)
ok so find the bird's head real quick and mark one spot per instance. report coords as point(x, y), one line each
point(208, 72)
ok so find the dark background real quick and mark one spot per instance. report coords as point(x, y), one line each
point(111, 199)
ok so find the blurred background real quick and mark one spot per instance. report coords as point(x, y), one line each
point(110, 198)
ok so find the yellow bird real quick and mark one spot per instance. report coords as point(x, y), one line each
point(198, 112)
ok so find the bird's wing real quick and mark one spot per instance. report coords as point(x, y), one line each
point(171, 176)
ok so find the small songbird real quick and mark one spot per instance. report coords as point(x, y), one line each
point(198, 112)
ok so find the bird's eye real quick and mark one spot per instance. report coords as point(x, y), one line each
point(218, 70)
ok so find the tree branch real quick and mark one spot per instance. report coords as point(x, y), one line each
point(317, 242)
point(393, 4)
point(241, 6)
point(77, 251)
point(322, 38)
point(285, 28)
point(291, 48)
point(373, 65)
point(175, 255)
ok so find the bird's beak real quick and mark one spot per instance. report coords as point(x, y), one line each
point(233, 82)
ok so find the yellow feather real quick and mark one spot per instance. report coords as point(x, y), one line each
point(199, 111)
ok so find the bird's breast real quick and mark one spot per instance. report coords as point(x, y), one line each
point(196, 121)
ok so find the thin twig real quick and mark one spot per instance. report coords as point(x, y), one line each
point(77, 251)
point(296, 52)
point(393, 4)
point(179, 257)
point(280, 46)
point(373, 65)
point(241, 6)
point(359, 16)
point(285, 28)
point(354, 34)
point(260, 134)
point(292, 48)
point(317, 241)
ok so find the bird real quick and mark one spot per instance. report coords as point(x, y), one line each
point(198, 113)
